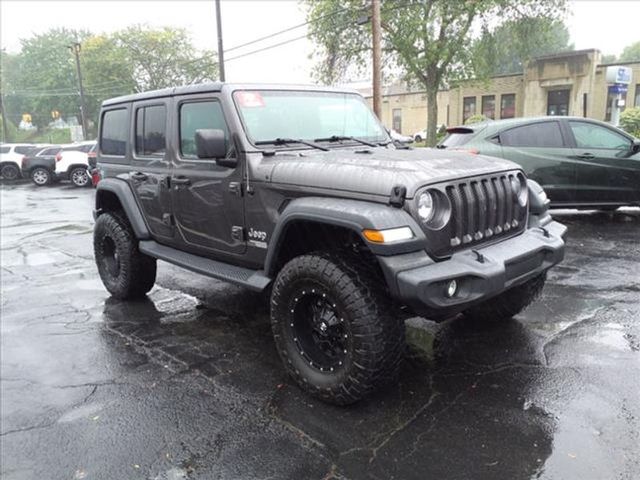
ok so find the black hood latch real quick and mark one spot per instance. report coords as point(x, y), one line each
point(397, 196)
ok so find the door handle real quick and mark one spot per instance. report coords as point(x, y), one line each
point(180, 181)
point(586, 156)
point(139, 176)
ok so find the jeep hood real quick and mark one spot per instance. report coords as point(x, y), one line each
point(376, 171)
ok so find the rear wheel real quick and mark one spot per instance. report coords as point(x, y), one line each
point(41, 176)
point(335, 327)
point(79, 177)
point(9, 171)
point(418, 138)
point(509, 303)
point(125, 272)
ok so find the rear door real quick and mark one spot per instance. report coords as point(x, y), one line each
point(546, 156)
point(207, 198)
point(150, 165)
point(606, 171)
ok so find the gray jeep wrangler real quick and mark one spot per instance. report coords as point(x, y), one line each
point(300, 192)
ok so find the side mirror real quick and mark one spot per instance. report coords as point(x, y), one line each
point(635, 148)
point(210, 143)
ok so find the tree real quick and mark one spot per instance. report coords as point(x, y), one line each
point(631, 53)
point(511, 45)
point(630, 121)
point(426, 40)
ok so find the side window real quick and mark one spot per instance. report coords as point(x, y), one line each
point(151, 130)
point(113, 140)
point(588, 135)
point(23, 150)
point(4, 149)
point(195, 116)
point(50, 151)
point(540, 135)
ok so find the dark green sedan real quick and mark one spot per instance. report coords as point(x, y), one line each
point(580, 162)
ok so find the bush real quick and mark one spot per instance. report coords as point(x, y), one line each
point(630, 121)
point(477, 118)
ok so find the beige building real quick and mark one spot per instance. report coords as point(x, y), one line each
point(571, 83)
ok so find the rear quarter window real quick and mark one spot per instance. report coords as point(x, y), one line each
point(4, 149)
point(540, 135)
point(113, 135)
point(456, 139)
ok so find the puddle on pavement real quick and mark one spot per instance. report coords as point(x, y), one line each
point(32, 259)
point(611, 335)
point(173, 304)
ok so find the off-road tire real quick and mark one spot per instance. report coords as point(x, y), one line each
point(79, 177)
point(9, 172)
point(509, 303)
point(376, 335)
point(41, 176)
point(125, 272)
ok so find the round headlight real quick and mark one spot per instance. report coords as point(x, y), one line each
point(425, 207)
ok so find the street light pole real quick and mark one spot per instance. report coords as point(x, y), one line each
point(377, 53)
point(75, 48)
point(220, 49)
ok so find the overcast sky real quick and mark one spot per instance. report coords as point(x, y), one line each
point(607, 25)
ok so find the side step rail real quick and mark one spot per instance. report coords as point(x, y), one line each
point(253, 279)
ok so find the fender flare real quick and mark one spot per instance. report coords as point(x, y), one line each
point(129, 204)
point(355, 215)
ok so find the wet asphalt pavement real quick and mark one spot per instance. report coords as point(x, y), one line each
point(187, 384)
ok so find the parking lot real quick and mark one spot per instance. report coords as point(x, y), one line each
point(187, 384)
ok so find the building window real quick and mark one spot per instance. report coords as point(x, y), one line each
point(508, 105)
point(396, 121)
point(637, 102)
point(489, 106)
point(558, 102)
point(468, 108)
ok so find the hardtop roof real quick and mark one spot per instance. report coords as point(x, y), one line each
point(217, 87)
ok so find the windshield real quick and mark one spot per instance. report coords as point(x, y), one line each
point(268, 115)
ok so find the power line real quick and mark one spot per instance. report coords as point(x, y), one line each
point(267, 48)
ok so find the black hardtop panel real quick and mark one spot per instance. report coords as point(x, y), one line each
point(217, 87)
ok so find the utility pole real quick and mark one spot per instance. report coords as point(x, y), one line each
point(5, 130)
point(377, 54)
point(75, 48)
point(220, 49)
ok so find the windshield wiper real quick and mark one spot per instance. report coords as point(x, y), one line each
point(283, 141)
point(339, 138)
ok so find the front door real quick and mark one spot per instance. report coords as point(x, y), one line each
point(606, 174)
point(207, 198)
point(150, 167)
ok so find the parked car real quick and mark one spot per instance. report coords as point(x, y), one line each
point(41, 165)
point(579, 162)
point(422, 134)
point(398, 137)
point(300, 191)
point(72, 163)
point(11, 155)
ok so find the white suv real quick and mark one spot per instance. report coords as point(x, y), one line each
point(72, 163)
point(11, 155)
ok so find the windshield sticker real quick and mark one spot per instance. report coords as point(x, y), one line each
point(250, 99)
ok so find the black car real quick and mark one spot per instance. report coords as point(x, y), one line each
point(300, 192)
point(41, 166)
point(579, 162)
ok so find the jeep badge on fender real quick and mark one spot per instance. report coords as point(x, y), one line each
point(300, 192)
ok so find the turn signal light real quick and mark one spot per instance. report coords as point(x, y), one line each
point(389, 235)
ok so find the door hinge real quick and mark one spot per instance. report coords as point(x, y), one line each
point(237, 233)
point(167, 219)
point(235, 188)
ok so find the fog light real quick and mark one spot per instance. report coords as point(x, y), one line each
point(452, 288)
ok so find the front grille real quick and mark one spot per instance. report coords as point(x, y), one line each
point(483, 209)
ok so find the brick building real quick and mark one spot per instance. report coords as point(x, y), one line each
point(571, 83)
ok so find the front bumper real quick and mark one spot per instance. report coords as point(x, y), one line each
point(482, 273)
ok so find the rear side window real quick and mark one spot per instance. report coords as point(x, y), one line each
point(150, 130)
point(541, 135)
point(49, 151)
point(195, 116)
point(114, 132)
point(455, 139)
point(24, 150)
point(4, 149)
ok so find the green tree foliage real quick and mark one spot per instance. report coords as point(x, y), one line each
point(631, 53)
point(42, 77)
point(510, 46)
point(427, 40)
point(630, 121)
point(477, 118)
point(608, 58)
